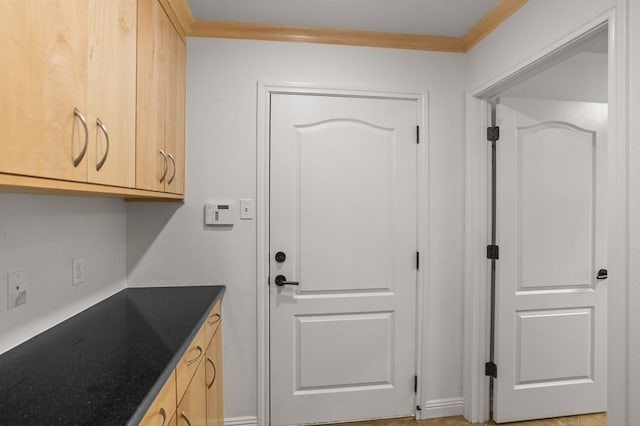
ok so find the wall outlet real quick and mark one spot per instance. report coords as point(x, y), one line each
point(77, 270)
point(17, 286)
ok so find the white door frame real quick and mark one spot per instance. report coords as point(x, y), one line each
point(262, 215)
point(477, 220)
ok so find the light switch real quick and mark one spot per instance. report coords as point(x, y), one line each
point(247, 209)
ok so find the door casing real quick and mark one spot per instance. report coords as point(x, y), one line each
point(265, 90)
point(477, 222)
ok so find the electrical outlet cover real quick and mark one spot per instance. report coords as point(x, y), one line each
point(77, 270)
point(17, 286)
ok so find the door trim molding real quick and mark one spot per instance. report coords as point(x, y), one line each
point(264, 92)
point(476, 322)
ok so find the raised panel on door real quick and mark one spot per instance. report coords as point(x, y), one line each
point(112, 92)
point(550, 323)
point(44, 77)
point(175, 110)
point(151, 166)
point(343, 209)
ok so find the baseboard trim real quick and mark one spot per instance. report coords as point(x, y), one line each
point(443, 407)
point(241, 421)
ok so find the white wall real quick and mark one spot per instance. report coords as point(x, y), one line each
point(168, 244)
point(534, 27)
point(42, 234)
point(582, 77)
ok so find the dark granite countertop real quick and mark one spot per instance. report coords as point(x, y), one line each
point(105, 365)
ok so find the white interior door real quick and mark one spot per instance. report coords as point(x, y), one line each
point(550, 305)
point(343, 211)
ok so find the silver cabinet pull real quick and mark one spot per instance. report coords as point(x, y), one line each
point(194, 360)
point(164, 416)
point(106, 151)
point(165, 166)
point(215, 372)
point(185, 417)
point(173, 160)
point(213, 319)
point(79, 158)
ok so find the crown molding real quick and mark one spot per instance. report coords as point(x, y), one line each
point(187, 25)
point(489, 22)
point(256, 31)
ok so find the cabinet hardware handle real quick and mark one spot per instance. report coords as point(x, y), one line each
point(165, 166)
point(173, 160)
point(215, 372)
point(185, 417)
point(216, 319)
point(164, 416)
point(194, 360)
point(106, 151)
point(79, 158)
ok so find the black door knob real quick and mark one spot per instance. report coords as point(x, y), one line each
point(602, 274)
point(281, 257)
point(281, 280)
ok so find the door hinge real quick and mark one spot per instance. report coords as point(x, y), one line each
point(493, 252)
point(269, 280)
point(493, 133)
point(417, 260)
point(491, 369)
point(415, 384)
point(418, 134)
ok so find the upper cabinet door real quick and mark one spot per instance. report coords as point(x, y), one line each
point(112, 92)
point(44, 78)
point(152, 164)
point(175, 112)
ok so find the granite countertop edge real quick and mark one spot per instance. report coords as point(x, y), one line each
point(171, 365)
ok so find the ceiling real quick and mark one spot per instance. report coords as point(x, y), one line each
point(453, 18)
point(435, 25)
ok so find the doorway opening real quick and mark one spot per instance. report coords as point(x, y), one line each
point(545, 300)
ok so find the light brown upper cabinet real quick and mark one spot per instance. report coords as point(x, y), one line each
point(161, 101)
point(67, 71)
point(112, 92)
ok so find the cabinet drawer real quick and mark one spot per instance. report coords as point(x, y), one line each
point(211, 323)
point(189, 362)
point(164, 406)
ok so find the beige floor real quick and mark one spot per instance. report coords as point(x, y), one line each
point(586, 420)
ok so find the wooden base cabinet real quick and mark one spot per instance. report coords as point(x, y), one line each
point(213, 372)
point(196, 383)
point(192, 410)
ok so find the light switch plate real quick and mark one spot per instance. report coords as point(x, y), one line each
point(247, 209)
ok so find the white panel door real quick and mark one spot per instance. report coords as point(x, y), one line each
point(343, 211)
point(550, 305)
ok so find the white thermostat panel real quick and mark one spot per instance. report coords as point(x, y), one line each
point(219, 213)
